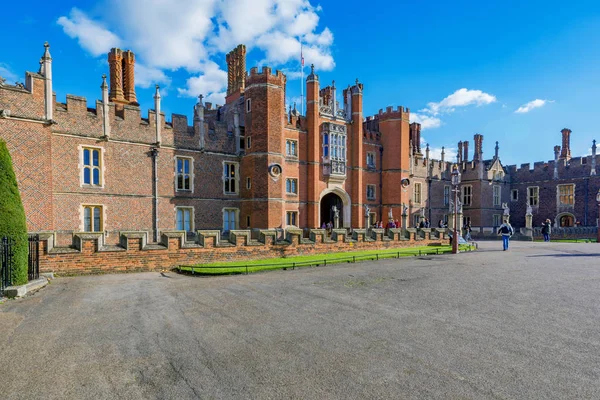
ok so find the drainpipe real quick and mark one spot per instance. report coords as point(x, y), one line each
point(154, 153)
point(585, 211)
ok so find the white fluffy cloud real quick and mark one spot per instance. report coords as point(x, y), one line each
point(147, 76)
point(428, 117)
point(91, 35)
point(435, 153)
point(426, 121)
point(537, 103)
point(190, 34)
point(6, 73)
point(461, 98)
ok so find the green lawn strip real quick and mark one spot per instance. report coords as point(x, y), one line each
point(236, 267)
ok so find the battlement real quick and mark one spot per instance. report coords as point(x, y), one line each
point(265, 76)
point(577, 166)
point(391, 113)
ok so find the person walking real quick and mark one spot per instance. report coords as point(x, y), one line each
point(506, 230)
point(468, 232)
point(546, 229)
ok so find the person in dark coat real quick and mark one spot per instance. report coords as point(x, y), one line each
point(506, 230)
point(546, 229)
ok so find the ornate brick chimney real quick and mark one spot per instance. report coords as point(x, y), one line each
point(236, 71)
point(459, 155)
point(415, 137)
point(466, 151)
point(566, 144)
point(478, 155)
point(122, 77)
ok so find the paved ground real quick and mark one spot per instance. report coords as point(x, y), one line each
point(522, 324)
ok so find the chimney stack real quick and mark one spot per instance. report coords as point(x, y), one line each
point(122, 77)
point(496, 151)
point(593, 171)
point(415, 137)
point(478, 155)
point(460, 152)
point(236, 71)
point(566, 144)
point(556, 154)
point(466, 150)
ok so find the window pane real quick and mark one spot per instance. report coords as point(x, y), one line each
point(186, 182)
point(87, 176)
point(227, 185)
point(187, 220)
point(96, 157)
point(325, 139)
point(287, 147)
point(86, 157)
point(179, 220)
point(96, 176)
point(186, 166)
point(232, 185)
point(87, 219)
point(326, 151)
point(179, 165)
point(97, 225)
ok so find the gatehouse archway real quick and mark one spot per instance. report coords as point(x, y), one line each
point(339, 198)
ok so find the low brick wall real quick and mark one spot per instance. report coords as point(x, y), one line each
point(89, 255)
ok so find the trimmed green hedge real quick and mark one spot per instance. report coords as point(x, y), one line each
point(12, 216)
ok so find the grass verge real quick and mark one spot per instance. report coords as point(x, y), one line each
point(237, 267)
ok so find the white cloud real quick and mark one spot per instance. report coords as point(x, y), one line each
point(537, 103)
point(212, 82)
point(148, 76)
point(461, 98)
point(7, 74)
point(91, 35)
point(426, 121)
point(190, 34)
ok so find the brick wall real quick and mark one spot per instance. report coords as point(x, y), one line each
point(89, 253)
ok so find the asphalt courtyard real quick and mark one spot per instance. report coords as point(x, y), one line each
point(521, 324)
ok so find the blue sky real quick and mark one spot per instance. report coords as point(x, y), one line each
point(461, 67)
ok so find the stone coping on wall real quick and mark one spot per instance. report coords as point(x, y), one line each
point(89, 253)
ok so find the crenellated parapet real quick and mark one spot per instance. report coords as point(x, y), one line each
point(390, 113)
point(265, 76)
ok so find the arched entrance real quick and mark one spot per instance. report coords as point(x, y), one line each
point(566, 220)
point(327, 203)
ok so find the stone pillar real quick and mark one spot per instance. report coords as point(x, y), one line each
point(336, 222)
point(105, 108)
point(529, 221)
point(157, 109)
point(47, 72)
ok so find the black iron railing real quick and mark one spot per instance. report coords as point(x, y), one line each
point(6, 263)
point(33, 268)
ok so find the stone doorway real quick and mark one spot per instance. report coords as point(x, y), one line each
point(327, 203)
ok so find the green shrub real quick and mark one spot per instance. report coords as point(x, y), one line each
point(12, 216)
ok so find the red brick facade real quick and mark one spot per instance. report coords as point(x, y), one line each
point(249, 162)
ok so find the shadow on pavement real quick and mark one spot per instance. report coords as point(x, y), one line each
point(568, 255)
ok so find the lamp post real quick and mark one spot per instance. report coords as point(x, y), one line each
point(455, 183)
point(598, 200)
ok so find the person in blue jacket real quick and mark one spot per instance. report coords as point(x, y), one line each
point(506, 230)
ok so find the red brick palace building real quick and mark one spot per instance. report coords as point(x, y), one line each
point(250, 163)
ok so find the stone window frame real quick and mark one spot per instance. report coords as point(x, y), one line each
point(447, 193)
point(102, 217)
point(496, 220)
point(497, 195)
point(292, 185)
point(100, 167)
point(373, 155)
point(191, 174)
point(291, 144)
point(512, 195)
point(560, 196)
point(248, 182)
point(292, 216)
point(417, 193)
point(192, 217)
point(248, 105)
point(464, 196)
point(237, 217)
point(236, 178)
point(536, 196)
point(374, 192)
